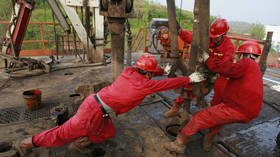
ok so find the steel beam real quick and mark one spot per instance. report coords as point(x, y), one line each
point(79, 3)
point(59, 16)
point(80, 29)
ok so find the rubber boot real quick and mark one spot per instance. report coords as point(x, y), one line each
point(178, 146)
point(185, 117)
point(208, 142)
point(174, 111)
point(23, 145)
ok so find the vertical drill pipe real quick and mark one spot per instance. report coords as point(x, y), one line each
point(266, 50)
point(200, 41)
point(129, 40)
point(117, 29)
point(173, 32)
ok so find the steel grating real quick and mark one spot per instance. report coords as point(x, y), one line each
point(16, 114)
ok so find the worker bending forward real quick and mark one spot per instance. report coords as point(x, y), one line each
point(92, 121)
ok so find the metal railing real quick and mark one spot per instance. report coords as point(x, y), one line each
point(140, 43)
point(42, 50)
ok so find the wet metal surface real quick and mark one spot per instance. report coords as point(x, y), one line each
point(140, 132)
point(257, 141)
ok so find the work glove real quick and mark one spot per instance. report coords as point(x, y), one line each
point(167, 69)
point(196, 77)
point(204, 56)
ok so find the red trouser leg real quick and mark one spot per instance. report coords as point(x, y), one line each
point(60, 135)
point(213, 117)
point(87, 121)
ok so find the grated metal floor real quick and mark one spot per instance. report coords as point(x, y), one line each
point(20, 114)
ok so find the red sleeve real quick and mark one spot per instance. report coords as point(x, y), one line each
point(159, 72)
point(219, 87)
point(179, 100)
point(226, 49)
point(227, 68)
point(186, 36)
point(215, 100)
point(153, 86)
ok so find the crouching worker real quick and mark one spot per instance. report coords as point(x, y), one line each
point(241, 100)
point(92, 122)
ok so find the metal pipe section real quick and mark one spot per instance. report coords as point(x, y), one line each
point(117, 29)
point(266, 50)
point(173, 32)
point(129, 42)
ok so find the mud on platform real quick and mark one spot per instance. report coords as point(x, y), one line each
point(140, 132)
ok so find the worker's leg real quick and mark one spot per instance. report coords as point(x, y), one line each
point(76, 127)
point(209, 137)
point(105, 131)
point(185, 116)
point(174, 110)
point(210, 117)
point(69, 131)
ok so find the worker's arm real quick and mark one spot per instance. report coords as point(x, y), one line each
point(185, 35)
point(153, 86)
point(227, 68)
point(159, 72)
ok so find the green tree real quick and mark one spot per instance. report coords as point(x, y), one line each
point(257, 30)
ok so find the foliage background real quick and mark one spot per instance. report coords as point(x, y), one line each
point(144, 12)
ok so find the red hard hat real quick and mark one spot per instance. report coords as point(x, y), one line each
point(147, 62)
point(251, 47)
point(218, 28)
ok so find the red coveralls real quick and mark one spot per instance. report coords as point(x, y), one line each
point(226, 49)
point(128, 91)
point(219, 87)
point(185, 35)
point(241, 100)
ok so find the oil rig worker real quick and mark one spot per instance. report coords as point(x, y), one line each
point(221, 47)
point(241, 100)
point(92, 122)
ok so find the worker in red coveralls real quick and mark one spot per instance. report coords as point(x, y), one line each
point(220, 47)
point(241, 100)
point(183, 43)
point(92, 121)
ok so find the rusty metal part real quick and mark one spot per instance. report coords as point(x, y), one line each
point(129, 42)
point(60, 114)
point(116, 8)
point(20, 23)
point(200, 39)
point(15, 64)
point(116, 12)
point(173, 32)
point(116, 27)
